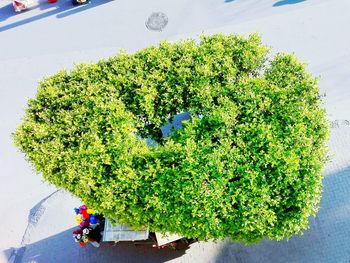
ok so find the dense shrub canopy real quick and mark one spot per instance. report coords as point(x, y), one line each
point(247, 165)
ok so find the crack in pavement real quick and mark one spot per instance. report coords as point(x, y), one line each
point(33, 218)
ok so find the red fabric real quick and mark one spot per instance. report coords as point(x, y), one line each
point(18, 4)
point(84, 212)
point(78, 231)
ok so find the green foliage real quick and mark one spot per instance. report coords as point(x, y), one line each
point(247, 165)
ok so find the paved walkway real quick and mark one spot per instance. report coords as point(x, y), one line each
point(38, 43)
point(48, 237)
point(328, 239)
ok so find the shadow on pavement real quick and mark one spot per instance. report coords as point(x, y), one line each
point(62, 248)
point(61, 9)
point(288, 2)
point(327, 239)
point(6, 12)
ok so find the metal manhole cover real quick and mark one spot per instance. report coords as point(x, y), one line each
point(157, 21)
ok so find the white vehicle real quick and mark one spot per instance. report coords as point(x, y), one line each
point(21, 5)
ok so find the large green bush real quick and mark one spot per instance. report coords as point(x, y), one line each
point(247, 165)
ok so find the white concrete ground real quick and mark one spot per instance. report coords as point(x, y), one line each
point(48, 237)
point(41, 41)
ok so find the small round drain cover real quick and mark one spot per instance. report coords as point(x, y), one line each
point(157, 21)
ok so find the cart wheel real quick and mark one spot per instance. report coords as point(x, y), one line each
point(182, 244)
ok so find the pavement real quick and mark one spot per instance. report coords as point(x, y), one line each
point(36, 217)
point(48, 236)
